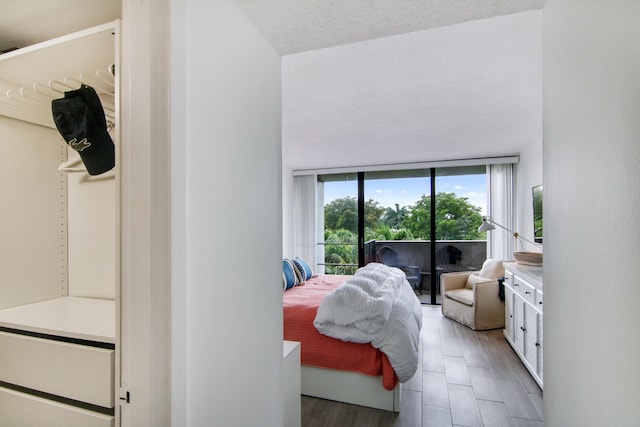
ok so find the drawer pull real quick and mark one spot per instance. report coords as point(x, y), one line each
point(537, 344)
point(522, 329)
point(527, 292)
point(515, 284)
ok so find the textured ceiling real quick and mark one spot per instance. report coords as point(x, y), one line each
point(462, 91)
point(300, 25)
point(290, 25)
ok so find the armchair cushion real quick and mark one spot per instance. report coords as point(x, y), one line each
point(464, 296)
point(474, 279)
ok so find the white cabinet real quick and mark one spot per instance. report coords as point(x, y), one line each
point(20, 409)
point(60, 252)
point(292, 403)
point(57, 357)
point(523, 315)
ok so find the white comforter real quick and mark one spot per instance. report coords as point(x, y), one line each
point(376, 305)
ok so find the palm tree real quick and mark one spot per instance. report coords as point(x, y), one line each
point(395, 218)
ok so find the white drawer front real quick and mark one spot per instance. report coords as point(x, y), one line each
point(508, 279)
point(23, 410)
point(70, 370)
point(539, 299)
point(509, 313)
point(525, 290)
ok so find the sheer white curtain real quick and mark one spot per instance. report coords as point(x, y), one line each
point(500, 243)
point(305, 218)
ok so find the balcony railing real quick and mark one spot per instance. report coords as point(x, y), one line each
point(451, 255)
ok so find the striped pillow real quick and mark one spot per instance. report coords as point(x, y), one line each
point(289, 276)
point(302, 269)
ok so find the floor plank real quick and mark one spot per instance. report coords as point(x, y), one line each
point(464, 406)
point(495, 414)
point(456, 371)
point(517, 400)
point(464, 378)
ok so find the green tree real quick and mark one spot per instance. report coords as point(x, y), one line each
point(337, 252)
point(341, 214)
point(372, 213)
point(394, 218)
point(456, 218)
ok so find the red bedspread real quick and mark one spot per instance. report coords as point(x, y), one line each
point(300, 307)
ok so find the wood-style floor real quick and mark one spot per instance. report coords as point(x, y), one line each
point(465, 378)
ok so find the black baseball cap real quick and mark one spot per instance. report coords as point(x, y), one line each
point(80, 120)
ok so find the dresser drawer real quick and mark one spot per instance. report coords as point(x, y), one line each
point(539, 299)
point(24, 410)
point(525, 290)
point(508, 279)
point(74, 371)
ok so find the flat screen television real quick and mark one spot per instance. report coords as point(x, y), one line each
point(537, 213)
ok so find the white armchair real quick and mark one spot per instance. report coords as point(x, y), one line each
point(472, 298)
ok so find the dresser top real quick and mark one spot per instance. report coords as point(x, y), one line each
point(528, 272)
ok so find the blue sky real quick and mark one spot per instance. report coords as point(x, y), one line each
point(406, 191)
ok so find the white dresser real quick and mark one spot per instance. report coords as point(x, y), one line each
point(523, 315)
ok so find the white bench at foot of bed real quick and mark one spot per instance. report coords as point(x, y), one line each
point(349, 387)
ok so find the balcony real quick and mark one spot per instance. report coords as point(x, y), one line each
point(450, 255)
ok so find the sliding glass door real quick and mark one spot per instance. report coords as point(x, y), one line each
point(426, 218)
point(460, 202)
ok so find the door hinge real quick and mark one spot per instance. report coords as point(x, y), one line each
point(125, 396)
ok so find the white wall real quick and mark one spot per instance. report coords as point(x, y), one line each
point(591, 177)
point(529, 174)
point(31, 230)
point(233, 216)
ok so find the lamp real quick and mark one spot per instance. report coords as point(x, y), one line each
point(526, 258)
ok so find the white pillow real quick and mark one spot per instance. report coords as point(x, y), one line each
point(492, 268)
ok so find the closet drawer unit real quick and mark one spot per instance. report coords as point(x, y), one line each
point(74, 371)
point(24, 410)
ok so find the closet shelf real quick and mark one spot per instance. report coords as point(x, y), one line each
point(86, 57)
point(71, 317)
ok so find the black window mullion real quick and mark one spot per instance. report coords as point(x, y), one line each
point(361, 219)
point(432, 238)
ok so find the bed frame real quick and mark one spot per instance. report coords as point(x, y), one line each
point(349, 387)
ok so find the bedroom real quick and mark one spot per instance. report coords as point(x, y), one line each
point(572, 150)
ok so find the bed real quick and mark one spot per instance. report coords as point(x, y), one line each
point(348, 368)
